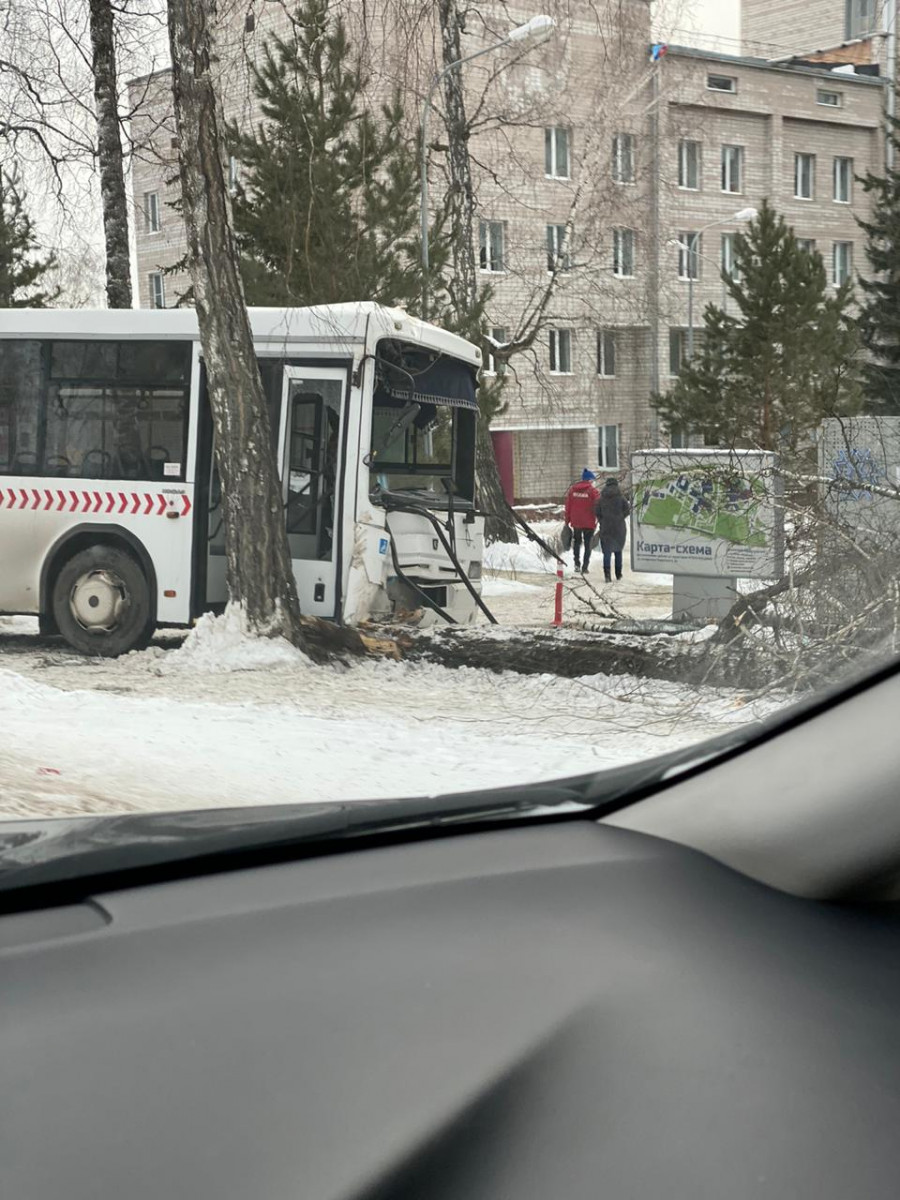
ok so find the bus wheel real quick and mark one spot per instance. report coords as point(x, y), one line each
point(101, 602)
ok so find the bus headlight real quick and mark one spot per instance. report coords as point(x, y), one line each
point(474, 570)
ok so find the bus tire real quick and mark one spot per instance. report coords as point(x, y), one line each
point(101, 602)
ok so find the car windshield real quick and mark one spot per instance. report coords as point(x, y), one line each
point(302, 506)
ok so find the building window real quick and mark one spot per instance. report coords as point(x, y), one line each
point(732, 168)
point(678, 347)
point(688, 255)
point(606, 353)
point(727, 258)
point(623, 253)
point(560, 351)
point(623, 158)
point(807, 244)
point(234, 174)
point(492, 366)
point(843, 180)
point(157, 289)
point(804, 176)
point(151, 212)
point(829, 99)
point(679, 437)
point(721, 83)
point(861, 18)
point(608, 448)
point(491, 239)
point(689, 165)
point(556, 153)
point(842, 262)
point(557, 251)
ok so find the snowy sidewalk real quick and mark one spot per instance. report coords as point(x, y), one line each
point(195, 728)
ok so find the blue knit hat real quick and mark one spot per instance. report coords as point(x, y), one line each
point(587, 476)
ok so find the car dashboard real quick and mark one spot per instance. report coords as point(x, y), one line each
point(557, 1011)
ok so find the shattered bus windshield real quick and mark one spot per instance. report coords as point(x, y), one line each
point(423, 425)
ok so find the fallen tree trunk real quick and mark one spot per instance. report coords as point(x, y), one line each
point(571, 654)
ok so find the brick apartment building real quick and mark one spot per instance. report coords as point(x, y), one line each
point(612, 164)
point(773, 28)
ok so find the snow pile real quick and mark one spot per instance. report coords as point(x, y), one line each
point(652, 579)
point(18, 626)
point(390, 730)
point(548, 530)
point(695, 636)
point(223, 644)
point(525, 559)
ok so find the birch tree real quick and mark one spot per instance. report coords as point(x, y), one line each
point(109, 155)
point(462, 285)
point(258, 564)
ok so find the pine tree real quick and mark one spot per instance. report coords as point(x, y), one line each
point(879, 318)
point(326, 207)
point(766, 377)
point(21, 267)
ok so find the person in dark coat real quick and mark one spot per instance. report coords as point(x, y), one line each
point(582, 499)
point(612, 510)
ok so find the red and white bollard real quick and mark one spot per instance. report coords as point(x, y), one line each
point(557, 614)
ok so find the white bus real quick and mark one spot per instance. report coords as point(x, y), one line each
point(110, 509)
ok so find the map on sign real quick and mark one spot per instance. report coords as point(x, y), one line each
point(715, 513)
point(726, 508)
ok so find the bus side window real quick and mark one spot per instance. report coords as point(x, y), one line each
point(117, 410)
point(20, 399)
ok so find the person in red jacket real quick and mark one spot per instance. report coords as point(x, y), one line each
point(581, 499)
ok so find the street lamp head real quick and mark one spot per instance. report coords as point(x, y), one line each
point(537, 29)
point(746, 214)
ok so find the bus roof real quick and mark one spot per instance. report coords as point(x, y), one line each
point(357, 323)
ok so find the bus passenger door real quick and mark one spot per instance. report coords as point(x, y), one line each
point(309, 452)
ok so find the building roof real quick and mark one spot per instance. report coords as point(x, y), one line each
point(765, 64)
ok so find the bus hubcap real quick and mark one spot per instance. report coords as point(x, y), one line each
point(98, 600)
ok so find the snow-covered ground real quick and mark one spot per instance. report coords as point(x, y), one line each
point(214, 720)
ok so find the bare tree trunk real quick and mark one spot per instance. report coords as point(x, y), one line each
point(109, 146)
point(258, 560)
point(463, 284)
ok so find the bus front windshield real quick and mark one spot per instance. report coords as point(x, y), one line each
point(423, 425)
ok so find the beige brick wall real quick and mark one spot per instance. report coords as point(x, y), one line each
point(773, 114)
point(155, 169)
point(774, 28)
point(770, 28)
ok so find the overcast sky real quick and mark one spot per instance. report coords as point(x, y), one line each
point(718, 19)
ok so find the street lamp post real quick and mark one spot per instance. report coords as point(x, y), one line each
point(535, 30)
point(707, 258)
point(745, 214)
